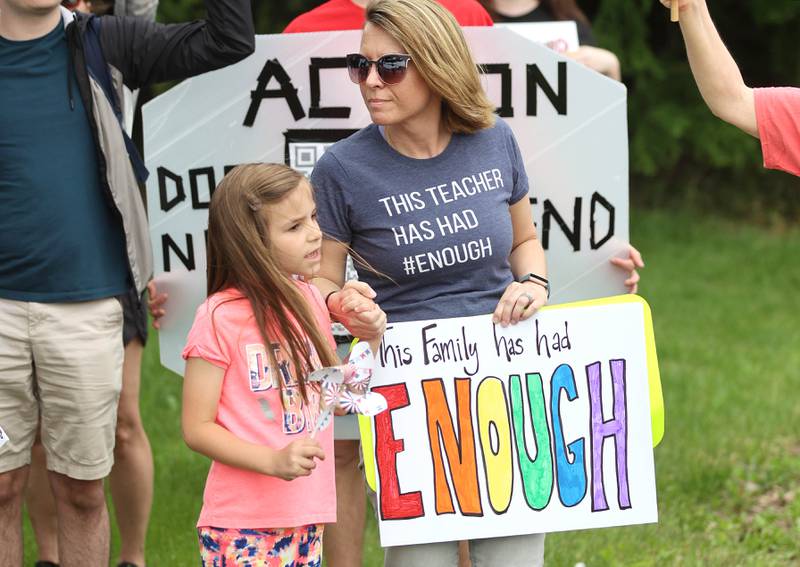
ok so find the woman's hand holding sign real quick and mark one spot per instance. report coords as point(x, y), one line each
point(519, 302)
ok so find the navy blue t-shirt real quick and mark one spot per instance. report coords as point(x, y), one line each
point(437, 231)
point(60, 238)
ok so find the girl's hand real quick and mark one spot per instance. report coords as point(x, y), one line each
point(155, 303)
point(297, 459)
point(630, 264)
point(355, 308)
point(519, 302)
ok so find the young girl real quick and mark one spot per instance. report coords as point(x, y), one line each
point(246, 403)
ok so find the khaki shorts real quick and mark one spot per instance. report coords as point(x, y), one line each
point(61, 363)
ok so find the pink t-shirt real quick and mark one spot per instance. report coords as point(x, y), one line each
point(225, 334)
point(778, 118)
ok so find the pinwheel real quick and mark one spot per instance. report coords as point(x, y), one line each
point(347, 386)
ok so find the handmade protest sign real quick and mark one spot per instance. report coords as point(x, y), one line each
point(539, 427)
point(292, 99)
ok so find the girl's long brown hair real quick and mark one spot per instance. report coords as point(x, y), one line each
point(561, 9)
point(239, 257)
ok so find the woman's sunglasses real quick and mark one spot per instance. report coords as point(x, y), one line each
point(391, 67)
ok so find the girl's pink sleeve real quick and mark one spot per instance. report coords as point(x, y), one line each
point(204, 340)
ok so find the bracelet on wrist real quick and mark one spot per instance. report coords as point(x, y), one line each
point(538, 280)
point(327, 297)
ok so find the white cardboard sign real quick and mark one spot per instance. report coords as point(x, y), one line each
point(539, 427)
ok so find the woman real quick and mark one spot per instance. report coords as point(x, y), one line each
point(512, 11)
point(436, 176)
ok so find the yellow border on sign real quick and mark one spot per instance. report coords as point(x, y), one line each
point(653, 379)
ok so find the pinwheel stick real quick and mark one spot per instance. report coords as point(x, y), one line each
point(674, 10)
point(323, 416)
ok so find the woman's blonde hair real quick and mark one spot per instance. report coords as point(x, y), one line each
point(433, 38)
point(239, 257)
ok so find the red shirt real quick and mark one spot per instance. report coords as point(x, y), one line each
point(337, 15)
point(778, 117)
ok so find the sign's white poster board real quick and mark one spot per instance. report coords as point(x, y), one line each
point(292, 98)
point(539, 427)
point(560, 36)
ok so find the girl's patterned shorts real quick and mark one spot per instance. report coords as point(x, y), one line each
point(282, 547)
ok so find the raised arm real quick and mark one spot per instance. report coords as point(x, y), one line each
point(147, 52)
point(716, 73)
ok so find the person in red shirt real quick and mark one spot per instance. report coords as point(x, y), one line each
point(772, 114)
point(338, 15)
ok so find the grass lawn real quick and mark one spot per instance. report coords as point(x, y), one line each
point(727, 316)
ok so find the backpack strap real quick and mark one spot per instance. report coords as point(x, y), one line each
point(98, 70)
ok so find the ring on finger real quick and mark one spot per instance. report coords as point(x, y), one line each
point(528, 296)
